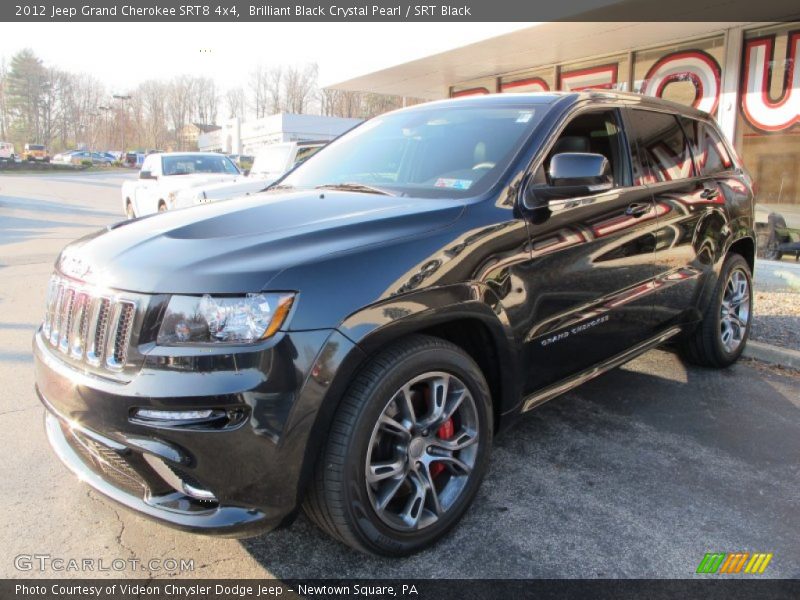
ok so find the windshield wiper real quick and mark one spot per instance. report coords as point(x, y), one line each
point(354, 187)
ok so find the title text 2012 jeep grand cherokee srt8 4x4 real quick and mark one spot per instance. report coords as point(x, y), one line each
point(350, 341)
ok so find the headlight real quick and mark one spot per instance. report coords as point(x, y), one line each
point(223, 319)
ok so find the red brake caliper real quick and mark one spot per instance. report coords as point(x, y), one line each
point(445, 432)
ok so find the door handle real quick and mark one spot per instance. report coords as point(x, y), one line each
point(637, 209)
point(709, 192)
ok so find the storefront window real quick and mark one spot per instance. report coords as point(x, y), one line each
point(487, 85)
point(687, 73)
point(768, 129)
point(605, 74)
point(538, 80)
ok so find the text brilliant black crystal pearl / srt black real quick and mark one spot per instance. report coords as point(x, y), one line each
point(351, 340)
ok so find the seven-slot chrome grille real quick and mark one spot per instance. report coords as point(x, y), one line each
point(88, 325)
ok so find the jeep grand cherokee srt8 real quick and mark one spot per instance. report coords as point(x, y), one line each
point(351, 341)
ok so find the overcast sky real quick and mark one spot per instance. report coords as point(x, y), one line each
point(123, 54)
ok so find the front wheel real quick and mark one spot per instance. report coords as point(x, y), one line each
point(407, 449)
point(721, 337)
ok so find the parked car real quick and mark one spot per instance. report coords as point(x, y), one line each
point(133, 159)
point(35, 152)
point(64, 158)
point(7, 151)
point(79, 157)
point(243, 161)
point(164, 175)
point(353, 340)
point(269, 165)
point(102, 158)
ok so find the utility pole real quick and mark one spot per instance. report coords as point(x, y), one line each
point(122, 98)
point(105, 110)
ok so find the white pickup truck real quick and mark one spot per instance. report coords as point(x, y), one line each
point(270, 164)
point(165, 174)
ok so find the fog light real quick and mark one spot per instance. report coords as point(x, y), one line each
point(173, 415)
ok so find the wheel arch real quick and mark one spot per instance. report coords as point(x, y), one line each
point(743, 245)
point(746, 247)
point(469, 316)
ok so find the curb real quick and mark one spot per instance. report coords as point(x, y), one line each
point(772, 354)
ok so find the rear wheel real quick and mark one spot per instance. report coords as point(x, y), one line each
point(771, 251)
point(722, 335)
point(162, 207)
point(407, 449)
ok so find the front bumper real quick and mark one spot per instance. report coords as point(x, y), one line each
point(250, 465)
point(167, 507)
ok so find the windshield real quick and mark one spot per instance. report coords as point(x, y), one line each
point(197, 163)
point(428, 152)
point(35, 147)
point(272, 159)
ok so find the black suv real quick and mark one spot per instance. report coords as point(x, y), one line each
point(351, 340)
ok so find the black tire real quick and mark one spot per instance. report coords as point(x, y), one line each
point(705, 346)
point(771, 251)
point(775, 222)
point(762, 239)
point(162, 206)
point(338, 500)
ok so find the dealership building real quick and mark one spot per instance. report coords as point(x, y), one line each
point(248, 137)
point(747, 75)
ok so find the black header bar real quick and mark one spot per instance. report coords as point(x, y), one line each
point(396, 10)
point(704, 587)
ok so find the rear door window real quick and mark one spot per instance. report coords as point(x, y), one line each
point(663, 146)
point(710, 153)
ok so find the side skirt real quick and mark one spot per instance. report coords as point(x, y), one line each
point(550, 392)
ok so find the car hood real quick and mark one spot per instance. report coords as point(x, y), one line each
point(179, 182)
point(240, 245)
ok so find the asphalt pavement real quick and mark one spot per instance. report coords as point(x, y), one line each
point(638, 473)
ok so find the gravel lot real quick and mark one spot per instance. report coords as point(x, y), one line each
point(639, 473)
point(777, 304)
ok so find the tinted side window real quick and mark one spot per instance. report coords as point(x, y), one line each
point(663, 146)
point(710, 152)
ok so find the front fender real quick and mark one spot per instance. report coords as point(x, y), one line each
point(365, 332)
point(379, 324)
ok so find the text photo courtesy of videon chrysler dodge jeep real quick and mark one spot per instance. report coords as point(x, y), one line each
point(381, 301)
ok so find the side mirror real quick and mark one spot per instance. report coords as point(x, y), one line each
point(147, 175)
point(571, 175)
point(580, 169)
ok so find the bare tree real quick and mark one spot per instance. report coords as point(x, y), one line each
point(235, 102)
point(258, 90)
point(206, 100)
point(299, 86)
point(154, 98)
point(179, 106)
point(363, 105)
point(274, 90)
